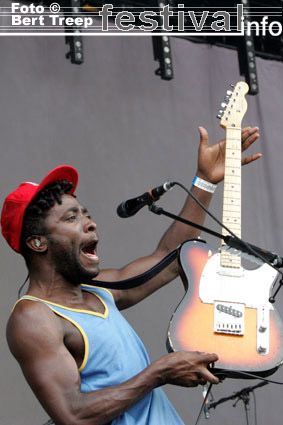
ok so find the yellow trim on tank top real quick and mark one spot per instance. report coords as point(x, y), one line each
point(85, 338)
point(93, 313)
point(98, 287)
point(17, 302)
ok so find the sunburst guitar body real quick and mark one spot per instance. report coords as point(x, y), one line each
point(227, 314)
point(226, 307)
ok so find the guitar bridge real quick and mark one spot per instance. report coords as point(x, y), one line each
point(229, 318)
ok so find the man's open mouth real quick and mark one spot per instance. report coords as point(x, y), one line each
point(89, 250)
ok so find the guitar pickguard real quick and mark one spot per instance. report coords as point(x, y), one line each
point(250, 287)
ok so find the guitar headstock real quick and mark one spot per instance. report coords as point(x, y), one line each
point(235, 106)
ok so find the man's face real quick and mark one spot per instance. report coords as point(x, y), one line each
point(72, 241)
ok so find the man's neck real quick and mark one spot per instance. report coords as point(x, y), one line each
point(46, 283)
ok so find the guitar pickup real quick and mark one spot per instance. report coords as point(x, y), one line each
point(229, 318)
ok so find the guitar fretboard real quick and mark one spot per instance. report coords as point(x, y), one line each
point(232, 192)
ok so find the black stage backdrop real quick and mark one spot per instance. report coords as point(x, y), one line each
point(125, 130)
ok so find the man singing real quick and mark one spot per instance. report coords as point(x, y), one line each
point(84, 362)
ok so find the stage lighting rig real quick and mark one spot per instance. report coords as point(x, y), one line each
point(246, 53)
point(162, 54)
point(268, 45)
point(162, 49)
point(74, 40)
point(71, 8)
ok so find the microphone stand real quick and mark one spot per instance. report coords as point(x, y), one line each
point(273, 260)
point(243, 395)
point(160, 211)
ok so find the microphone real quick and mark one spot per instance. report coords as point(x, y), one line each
point(132, 206)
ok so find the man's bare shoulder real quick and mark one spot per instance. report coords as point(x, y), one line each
point(30, 310)
point(32, 324)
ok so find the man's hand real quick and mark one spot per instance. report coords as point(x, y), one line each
point(187, 368)
point(211, 159)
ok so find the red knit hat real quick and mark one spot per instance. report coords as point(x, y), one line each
point(17, 202)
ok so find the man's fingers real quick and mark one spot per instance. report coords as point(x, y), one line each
point(247, 131)
point(208, 376)
point(251, 158)
point(209, 357)
point(203, 136)
point(249, 141)
point(249, 136)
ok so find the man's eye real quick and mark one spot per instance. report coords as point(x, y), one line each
point(72, 217)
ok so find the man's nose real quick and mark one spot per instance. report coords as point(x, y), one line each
point(90, 225)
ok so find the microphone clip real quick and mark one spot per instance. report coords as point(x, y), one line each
point(155, 208)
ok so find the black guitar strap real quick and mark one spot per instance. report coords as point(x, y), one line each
point(140, 279)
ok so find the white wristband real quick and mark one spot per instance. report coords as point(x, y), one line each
point(204, 185)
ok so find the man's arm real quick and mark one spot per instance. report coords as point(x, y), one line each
point(36, 339)
point(210, 168)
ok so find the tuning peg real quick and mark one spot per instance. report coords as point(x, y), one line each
point(232, 85)
point(224, 105)
point(229, 93)
point(220, 114)
point(226, 98)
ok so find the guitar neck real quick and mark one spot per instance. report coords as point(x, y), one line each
point(232, 192)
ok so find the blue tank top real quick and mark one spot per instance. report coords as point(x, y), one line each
point(113, 354)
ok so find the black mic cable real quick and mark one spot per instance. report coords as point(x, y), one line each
point(132, 206)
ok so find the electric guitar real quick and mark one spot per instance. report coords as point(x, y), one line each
point(225, 308)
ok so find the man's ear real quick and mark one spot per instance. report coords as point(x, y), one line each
point(37, 243)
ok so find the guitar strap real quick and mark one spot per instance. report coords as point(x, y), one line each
point(140, 279)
